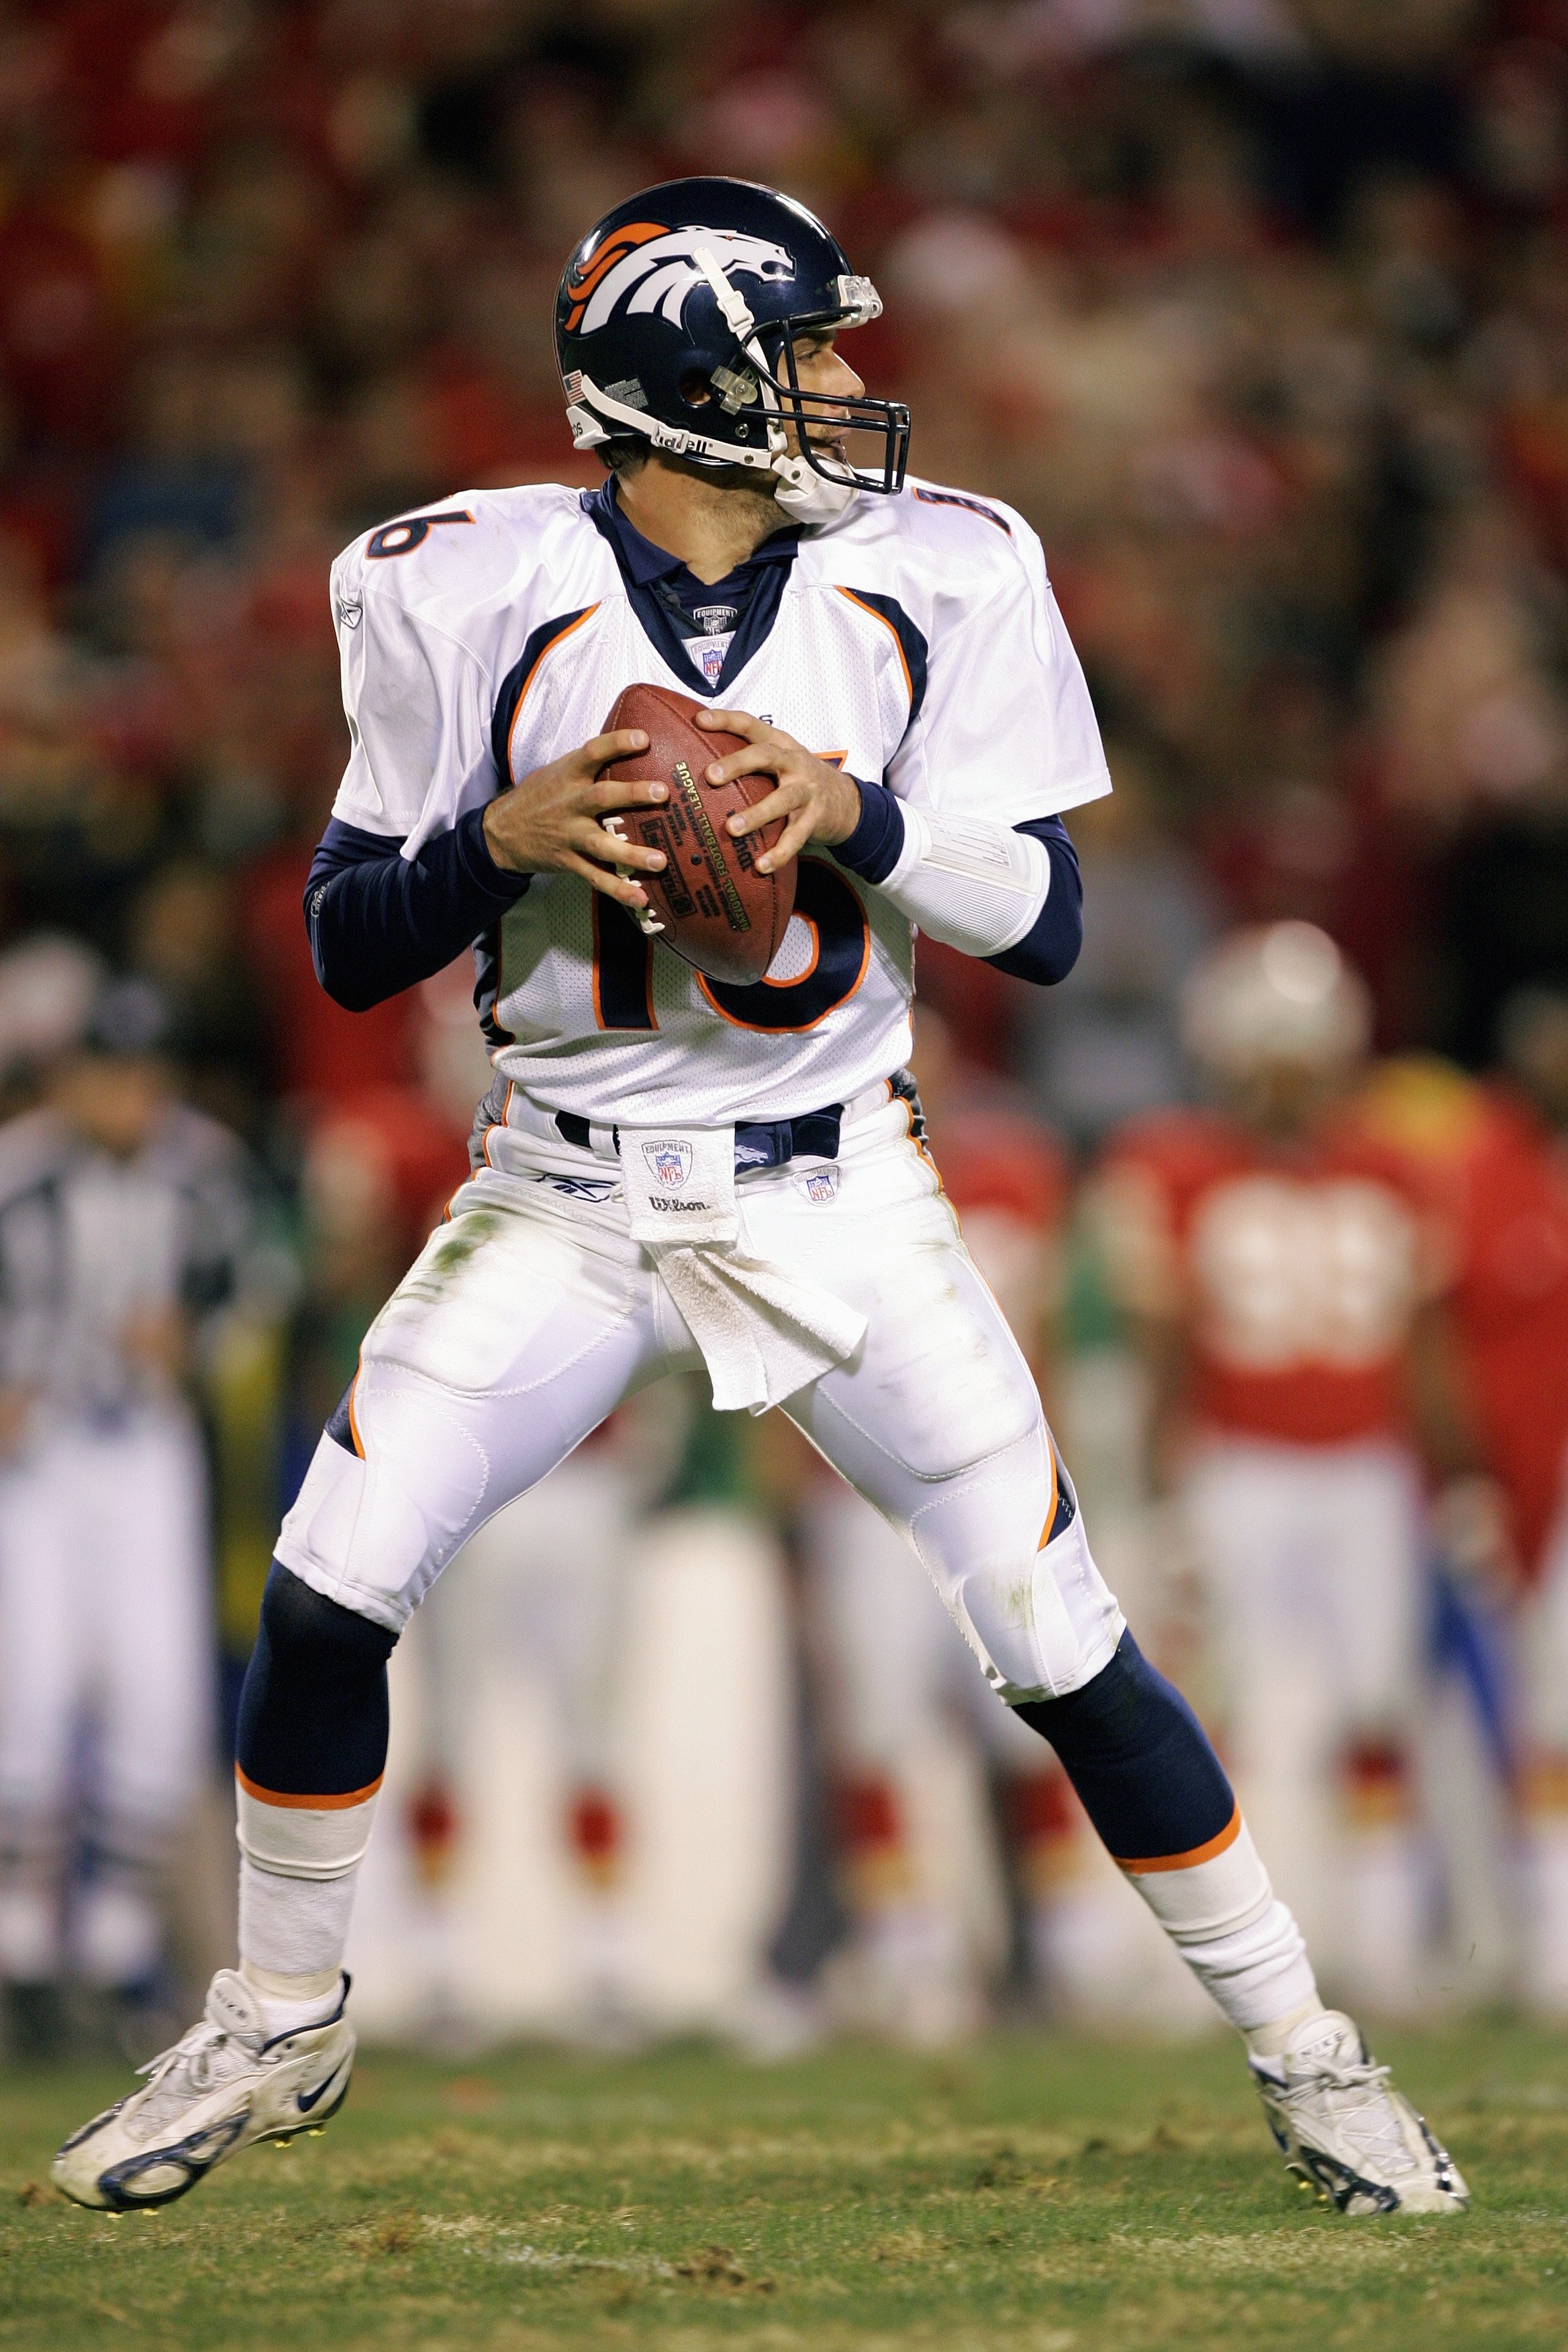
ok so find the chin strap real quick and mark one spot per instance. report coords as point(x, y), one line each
point(587, 407)
point(807, 495)
point(804, 494)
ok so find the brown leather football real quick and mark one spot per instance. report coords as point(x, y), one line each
point(718, 912)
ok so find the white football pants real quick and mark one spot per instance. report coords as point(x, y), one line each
point(105, 1620)
point(531, 1313)
point(894, 1658)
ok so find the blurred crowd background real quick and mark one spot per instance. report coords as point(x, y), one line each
point(1259, 310)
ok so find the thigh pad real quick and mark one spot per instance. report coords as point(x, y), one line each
point(940, 1383)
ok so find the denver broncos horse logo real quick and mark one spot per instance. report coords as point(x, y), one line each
point(654, 267)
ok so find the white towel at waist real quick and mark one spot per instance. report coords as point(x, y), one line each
point(762, 1334)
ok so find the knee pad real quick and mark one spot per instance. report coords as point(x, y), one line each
point(1005, 1544)
point(392, 1489)
point(1140, 1760)
point(313, 1710)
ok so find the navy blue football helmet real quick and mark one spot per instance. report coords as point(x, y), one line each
point(676, 320)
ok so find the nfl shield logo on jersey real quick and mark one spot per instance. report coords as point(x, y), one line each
point(820, 1183)
point(670, 1163)
point(709, 652)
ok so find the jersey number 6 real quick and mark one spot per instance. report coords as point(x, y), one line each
point(840, 950)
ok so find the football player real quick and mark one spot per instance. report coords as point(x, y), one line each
point(891, 656)
point(1515, 1303)
point(1281, 1272)
point(1491, 1156)
point(121, 1216)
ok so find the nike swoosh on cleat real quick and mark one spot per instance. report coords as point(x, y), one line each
point(305, 2102)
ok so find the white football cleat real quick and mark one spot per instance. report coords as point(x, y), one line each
point(221, 2088)
point(1346, 2132)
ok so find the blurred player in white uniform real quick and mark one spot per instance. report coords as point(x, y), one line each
point(1283, 1273)
point(890, 654)
point(121, 1217)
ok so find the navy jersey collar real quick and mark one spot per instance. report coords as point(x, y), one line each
point(759, 579)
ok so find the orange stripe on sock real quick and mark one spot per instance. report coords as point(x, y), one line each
point(333, 1804)
point(1144, 1864)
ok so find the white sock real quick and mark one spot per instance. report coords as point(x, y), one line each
point(1268, 2041)
point(299, 1862)
point(276, 1925)
point(1258, 1972)
point(293, 1931)
point(287, 2003)
point(1233, 1933)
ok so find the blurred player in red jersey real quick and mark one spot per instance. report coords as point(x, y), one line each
point(1492, 1158)
point(895, 1661)
point(1283, 1274)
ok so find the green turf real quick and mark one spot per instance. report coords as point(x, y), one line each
point(1037, 2194)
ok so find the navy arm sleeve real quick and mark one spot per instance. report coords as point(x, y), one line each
point(1047, 951)
point(378, 922)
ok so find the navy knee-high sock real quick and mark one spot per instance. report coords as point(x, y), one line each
point(310, 1754)
point(1157, 1793)
point(313, 1711)
point(1138, 1759)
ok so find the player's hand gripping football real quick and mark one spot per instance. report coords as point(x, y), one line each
point(817, 803)
point(549, 822)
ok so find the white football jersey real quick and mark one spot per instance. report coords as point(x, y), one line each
point(916, 643)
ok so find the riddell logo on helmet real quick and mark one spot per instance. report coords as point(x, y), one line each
point(651, 268)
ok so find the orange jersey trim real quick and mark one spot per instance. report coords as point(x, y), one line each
point(1145, 1865)
point(331, 1804)
point(560, 634)
point(883, 623)
point(485, 1147)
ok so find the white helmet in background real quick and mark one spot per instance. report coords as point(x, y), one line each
point(1281, 993)
point(50, 983)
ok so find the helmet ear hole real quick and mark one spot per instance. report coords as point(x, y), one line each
point(695, 389)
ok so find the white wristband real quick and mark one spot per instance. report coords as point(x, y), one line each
point(976, 886)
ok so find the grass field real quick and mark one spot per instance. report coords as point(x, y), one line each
point(1037, 2194)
